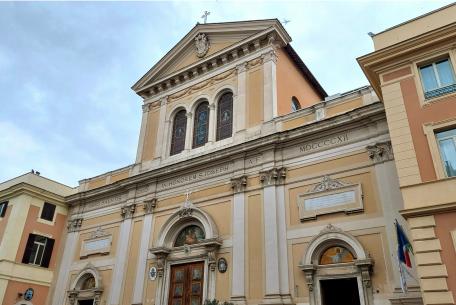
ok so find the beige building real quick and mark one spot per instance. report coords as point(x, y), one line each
point(413, 70)
point(33, 216)
point(250, 185)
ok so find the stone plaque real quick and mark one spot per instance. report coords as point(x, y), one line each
point(330, 196)
point(328, 201)
point(99, 244)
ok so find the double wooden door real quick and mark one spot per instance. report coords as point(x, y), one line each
point(186, 284)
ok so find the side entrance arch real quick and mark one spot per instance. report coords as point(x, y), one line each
point(337, 268)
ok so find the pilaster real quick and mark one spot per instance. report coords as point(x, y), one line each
point(270, 179)
point(147, 230)
point(212, 123)
point(189, 131)
point(142, 132)
point(161, 128)
point(269, 85)
point(61, 283)
point(127, 211)
point(240, 104)
point(238, 277)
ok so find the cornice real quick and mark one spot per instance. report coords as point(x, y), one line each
point(208, 64)
point(227, 27)
point(28, 189)
point(359, 117)
point(372, 62)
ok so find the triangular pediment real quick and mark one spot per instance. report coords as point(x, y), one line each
point(221, 37)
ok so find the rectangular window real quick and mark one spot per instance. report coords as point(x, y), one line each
point(447, 146)
point(3, 207)
point(48, 211)
point(438, 78)
point(38, 250)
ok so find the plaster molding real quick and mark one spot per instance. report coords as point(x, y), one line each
point(239, 184)
point(150, 205)
point(74, 224)
point(128, 210)
point(274, 176)
point(380, 152)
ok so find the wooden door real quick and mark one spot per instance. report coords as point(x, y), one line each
point(186, 284)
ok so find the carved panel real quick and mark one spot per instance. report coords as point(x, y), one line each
point(330, 196)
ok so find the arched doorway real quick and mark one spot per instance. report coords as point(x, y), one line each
point(185, 257)
point(86, 289)
point(337, 268)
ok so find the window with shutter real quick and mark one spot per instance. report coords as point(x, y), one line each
point(38, 250)
point(48, 212)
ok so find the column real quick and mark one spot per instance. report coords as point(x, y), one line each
point(138, 288)
point(269, 85)
point(166, 141)
point(61, 282)
point(127, 212)
point(238, 276)
point(189, 131)
point(269, 179)
point(212, 123)
point(239, 104)
point(161, 140)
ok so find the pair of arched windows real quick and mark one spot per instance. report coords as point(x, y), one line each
point(201, 124)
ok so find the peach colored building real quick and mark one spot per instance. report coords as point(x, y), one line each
point(251, 185)
point(32, 224)
point(413, 72)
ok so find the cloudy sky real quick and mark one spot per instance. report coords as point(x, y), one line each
point(66, 69)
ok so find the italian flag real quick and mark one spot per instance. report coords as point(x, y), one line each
point(404, 248)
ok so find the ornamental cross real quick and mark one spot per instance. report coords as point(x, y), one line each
point(206, 13)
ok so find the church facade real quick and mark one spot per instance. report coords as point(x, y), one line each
point(250, 186)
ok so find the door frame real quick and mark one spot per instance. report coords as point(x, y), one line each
point(205, 287)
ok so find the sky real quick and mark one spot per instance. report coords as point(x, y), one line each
point(66, 69)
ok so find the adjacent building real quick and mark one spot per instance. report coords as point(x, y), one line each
point(33, 219)
point(413, 72)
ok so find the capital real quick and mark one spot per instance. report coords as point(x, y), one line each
point(380, 152)
point(127, 211)
point(239, 184)
point(274, 176)
point(149, 205)
point(74, 224)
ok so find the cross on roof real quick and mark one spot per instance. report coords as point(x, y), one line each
point(206, 13)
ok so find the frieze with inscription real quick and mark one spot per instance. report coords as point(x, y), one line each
point(196, 176)
point(105, 202)
point(323, 143)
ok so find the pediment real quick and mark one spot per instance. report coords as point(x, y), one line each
point(221, 37)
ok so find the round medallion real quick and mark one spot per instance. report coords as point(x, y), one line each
point(28, 294)
point(222, 265)
point(201, 44)
point(153, 273)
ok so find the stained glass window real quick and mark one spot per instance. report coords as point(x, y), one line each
point(189, 235)
point(225, 116)
point(201, 125)
point(336, 255)
point(179, 130)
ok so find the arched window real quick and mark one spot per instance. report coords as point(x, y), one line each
point(295, 105)
point(225, 116)
point(189, 235)
point(201, 125)
point(336, 255)
point(88, 283)
point(179, 131)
